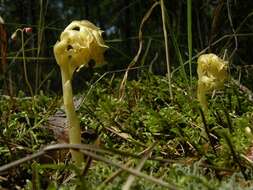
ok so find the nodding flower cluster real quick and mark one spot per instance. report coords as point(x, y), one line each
point(212, 73)
point(26, 30)
point(80, 42)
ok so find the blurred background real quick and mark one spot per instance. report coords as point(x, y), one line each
point(224, 27)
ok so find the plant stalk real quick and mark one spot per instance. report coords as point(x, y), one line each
point(189, 36)
point(201, 95)
point(166, 47)
point(73, 122)
point(24, 63)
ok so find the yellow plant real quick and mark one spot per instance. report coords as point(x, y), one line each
point(212, 73)
point(80, 42)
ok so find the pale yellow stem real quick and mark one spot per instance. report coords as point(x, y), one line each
point(201, 95)
point(73, 122)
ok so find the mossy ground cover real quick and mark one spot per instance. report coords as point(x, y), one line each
point(186, 149)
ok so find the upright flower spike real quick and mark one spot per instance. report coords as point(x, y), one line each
point(80, 42)
point(212, 73)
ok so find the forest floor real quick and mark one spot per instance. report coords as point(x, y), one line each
point(144, 140)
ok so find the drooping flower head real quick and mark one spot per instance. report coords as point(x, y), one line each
point(212, 73)
point(80, 42)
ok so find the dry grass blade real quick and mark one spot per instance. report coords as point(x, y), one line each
point(130, 170)
point(81, 148)
point(216, 21)
point(233, 30)
point(115, 174)
point(132, 63)
point(166, 47)
point(131, 178)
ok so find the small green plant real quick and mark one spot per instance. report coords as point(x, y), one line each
point(212, 73)
point(79, 43)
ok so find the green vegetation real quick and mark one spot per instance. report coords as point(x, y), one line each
point(185, 152)
point(142, 125)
